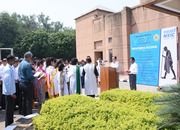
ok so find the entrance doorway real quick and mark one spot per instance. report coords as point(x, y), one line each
point(98, 55)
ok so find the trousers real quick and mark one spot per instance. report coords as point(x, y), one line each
point(117, 79)
point(26, 92)
point(3, 103)
point(17, 95)
point(132, 81)
point(9, 110)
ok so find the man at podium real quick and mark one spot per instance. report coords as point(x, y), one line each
point(115, 64)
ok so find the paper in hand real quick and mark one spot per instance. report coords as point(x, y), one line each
point(41, 76)
point(37, 74)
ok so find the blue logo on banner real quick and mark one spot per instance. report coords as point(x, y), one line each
point(169, 33)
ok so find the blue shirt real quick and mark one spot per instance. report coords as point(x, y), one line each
point(8, 80)
point(25, 72)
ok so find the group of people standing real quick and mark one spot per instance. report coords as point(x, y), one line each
point(66, 79)
point(30, 79)
point(27, 80)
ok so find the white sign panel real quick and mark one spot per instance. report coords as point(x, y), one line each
point(168, 57)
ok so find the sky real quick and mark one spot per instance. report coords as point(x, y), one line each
point(64, 11)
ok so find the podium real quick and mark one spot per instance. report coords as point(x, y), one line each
point(107, 78)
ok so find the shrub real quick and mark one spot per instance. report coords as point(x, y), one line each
point(170, 110)
point(110, 112)
point(127, 96)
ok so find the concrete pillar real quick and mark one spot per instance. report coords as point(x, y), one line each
point(11, 51)
point(126, 31)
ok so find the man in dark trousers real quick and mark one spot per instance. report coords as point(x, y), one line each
point(9, 89)
point(26, 85)
point(133, 71)
point(168, 64)
point(15, 67)
point(2, 97)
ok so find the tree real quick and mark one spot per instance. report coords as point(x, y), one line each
point(43, 44)
point(29, 23)
point(37, 34)
point(57, 26)
point(64, 44)
point(9, 32)
point(44, 24)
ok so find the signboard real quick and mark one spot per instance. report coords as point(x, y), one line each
point(155, 53)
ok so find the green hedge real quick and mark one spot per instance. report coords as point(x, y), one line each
point(127, 96)
point(116, 109)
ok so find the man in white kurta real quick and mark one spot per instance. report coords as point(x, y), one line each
point(115, 64)
point(90, 80)
point(72, 76)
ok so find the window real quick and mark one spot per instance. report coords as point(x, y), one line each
point(110, 55)
point(110, 39)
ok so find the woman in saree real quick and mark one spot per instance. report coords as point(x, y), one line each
point(51, 80)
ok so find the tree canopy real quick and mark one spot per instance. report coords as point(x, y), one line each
point(38, 34)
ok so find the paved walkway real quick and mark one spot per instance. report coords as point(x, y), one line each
point(144, 88)
point(122, 85)
point(17, 116)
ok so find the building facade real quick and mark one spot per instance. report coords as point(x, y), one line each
point(102, 33)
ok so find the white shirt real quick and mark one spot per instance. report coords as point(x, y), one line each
point(1, 70)
point(116, 65)
point(8, 80)
point(81, 68)
point(102, 62)
point(90, 82)
point(16, 73)
point(72, 76)
point(99, 71)
point(133, 68)
point(44, 67)
point(67, 68)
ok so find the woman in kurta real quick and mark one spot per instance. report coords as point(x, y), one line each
point(63, 80)
point(41, 82)
point(75, 77)
point(90, 73)
point(51, 79)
